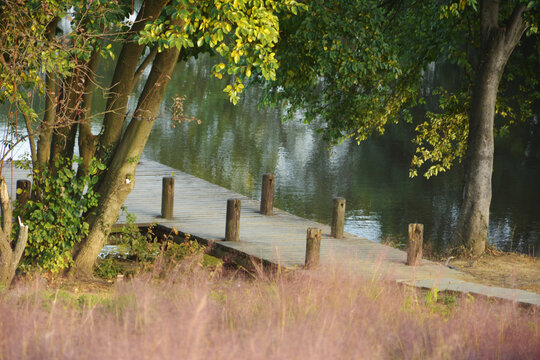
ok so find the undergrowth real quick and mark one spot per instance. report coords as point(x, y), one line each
point(182, 310)
point(145, 248)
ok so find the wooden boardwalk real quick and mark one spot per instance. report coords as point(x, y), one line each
point(200, 210)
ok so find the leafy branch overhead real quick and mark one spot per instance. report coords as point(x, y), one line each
point(358, 66)
point(243, 32)
point(51, 53)
point(27, 52)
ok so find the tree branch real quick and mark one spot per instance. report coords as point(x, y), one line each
point(5, 207)
point(22, 239)
point(31, 139)
point(87, 146)
point(144, 65)
point(122, 81)
point(49, 117)
point(516, 26)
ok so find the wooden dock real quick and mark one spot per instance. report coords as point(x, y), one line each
point(200, 210)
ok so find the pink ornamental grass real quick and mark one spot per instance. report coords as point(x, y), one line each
point(192, 313)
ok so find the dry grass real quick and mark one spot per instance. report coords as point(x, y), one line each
point(188, 312)
point(502, 269)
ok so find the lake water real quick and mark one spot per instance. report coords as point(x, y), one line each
point(234, 145)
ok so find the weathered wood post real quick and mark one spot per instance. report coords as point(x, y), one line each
point(23, 195)
point(267, 195)
point(167, 198)
point(313, 247)
point(232, 225)
point(414, 247)
point(338, 218)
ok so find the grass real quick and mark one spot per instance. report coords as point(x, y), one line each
point(182, 310)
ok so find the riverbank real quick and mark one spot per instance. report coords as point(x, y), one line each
point(503, 269)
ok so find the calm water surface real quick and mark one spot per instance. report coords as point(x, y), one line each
point(234, 145)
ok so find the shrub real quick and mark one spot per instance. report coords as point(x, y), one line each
point(55, 216)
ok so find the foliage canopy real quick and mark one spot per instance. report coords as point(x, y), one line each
point(361, 65)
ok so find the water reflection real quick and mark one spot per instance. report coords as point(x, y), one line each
point(234, 146)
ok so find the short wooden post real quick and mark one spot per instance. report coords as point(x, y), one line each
point(267, 195)
point(338, 218)
point(23, 195)
point(232, 225)
point(167, 198)
point(414, 247)
point(313, 247)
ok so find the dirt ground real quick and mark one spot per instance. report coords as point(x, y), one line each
point(502, 269)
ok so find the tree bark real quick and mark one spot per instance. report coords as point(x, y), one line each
point(87, 140)
point(46, 128)
point(497, 43)
point(65, 129)
point(9, 256)
point(120, 176)
point(6, 253)
point(123, 81)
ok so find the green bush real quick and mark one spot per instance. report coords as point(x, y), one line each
point(142, 248)
point(55, 216)
point(108, 269)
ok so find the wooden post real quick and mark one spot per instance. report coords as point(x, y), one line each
point(414, 248)
point(23, 195)
point(267, 195)
point(338, 218)
point(232, 225)
point(167, 198)
point(313, 247)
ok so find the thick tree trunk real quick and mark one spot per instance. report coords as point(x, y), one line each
point(473, 221)
point(123, 81)
point(120, 176)
point(496, 46)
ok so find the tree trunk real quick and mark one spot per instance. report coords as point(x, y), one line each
point(120, 176)
point(87, 140)
point(9, 256)
point(123, 81)
point(496, 46)
point(46, 128)
point(63, 141)
point(6, 261)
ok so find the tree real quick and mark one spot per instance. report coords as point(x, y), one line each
point(22, 50)
point(497, 42)
point(359, 65)
point(243, 33)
